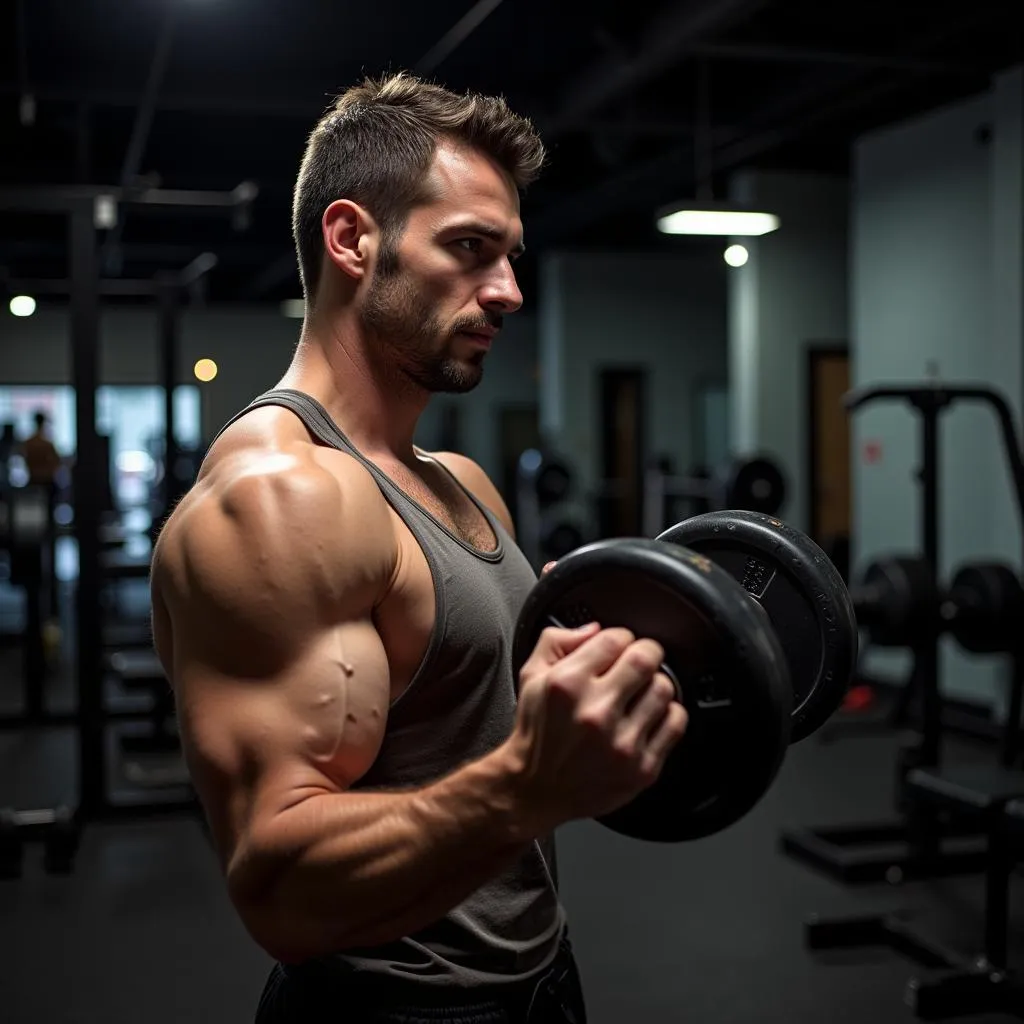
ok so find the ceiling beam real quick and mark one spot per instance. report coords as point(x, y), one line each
point(455, 36)
point(798, 55)
point(280, 271)
point(816, 99)
point(157, 254)
point(110, 254)
point(667, 39)
point(294, 107)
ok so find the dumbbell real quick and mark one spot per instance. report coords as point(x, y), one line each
point(56, 828)
point(760, 641)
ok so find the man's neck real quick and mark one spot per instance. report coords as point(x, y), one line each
point(376, 412)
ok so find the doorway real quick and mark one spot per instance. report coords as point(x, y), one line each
point(829, 451)
point(623, 444)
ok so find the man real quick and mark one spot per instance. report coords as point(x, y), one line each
point(335, 609)
point(42, 460)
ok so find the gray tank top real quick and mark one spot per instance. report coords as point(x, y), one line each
point(458, 707)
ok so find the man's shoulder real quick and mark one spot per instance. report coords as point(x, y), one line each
point(293, 507)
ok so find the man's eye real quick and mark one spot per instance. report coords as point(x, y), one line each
point(470, 244)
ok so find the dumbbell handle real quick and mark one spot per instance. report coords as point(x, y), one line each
point(553, 621)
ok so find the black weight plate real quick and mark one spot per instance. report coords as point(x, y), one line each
point(755, 484)
point(896, 601)
point(987, 605)
point(803, 594)
point(728, 665)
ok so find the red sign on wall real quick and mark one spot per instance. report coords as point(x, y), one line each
point(872, 452)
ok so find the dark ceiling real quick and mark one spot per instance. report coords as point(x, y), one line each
point(216, 92)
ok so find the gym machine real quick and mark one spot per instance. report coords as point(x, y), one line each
point(756, 484)
point(899, 604)
point(545, 480)
point(87, 211)
point(982, 609)
point(26, 537)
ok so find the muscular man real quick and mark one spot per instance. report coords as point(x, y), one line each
point(335, 608)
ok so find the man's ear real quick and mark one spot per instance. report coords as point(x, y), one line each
point(347, 232)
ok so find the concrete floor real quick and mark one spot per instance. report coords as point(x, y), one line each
point(703, 932)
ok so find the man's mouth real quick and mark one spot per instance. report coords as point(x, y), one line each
point(480, 338)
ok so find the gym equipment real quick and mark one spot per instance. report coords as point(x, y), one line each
point(140, 670)
point(918, 844)
point(547, 475)
point(984, 609)
point(899, 604)
point(896, 601)
point(26, 535)
point(78, 207)
point(807, 603)
point(732, 672)
point(545, 480)
point(58, 829)
point(755, 484)
point(957, 985)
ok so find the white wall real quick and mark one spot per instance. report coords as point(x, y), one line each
point(791, 293)
point(252, 347)
point(665, 313)
point(937, 219)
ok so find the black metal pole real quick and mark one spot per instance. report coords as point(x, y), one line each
point(998, 866)
point(89, 466)
point(169, 302)
point(927, 655)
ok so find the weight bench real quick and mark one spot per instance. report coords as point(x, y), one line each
point(981, 984)
point(960, 985)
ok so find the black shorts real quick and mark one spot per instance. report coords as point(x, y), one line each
point(298, 996)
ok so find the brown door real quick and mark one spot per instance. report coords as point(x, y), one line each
point(830, 447)
point(622, 452)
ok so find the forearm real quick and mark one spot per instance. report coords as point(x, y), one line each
point(361, 869)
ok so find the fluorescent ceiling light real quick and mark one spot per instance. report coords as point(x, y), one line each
point(294, 308)
point(716, 219)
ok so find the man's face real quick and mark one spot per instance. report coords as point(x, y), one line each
point(437, 298)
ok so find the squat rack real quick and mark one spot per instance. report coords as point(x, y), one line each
point(88, 210)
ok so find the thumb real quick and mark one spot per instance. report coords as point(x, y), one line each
point(557, 642)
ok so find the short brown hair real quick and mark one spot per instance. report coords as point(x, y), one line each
point(375, 143)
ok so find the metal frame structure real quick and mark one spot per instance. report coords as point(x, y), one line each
point(88, 210)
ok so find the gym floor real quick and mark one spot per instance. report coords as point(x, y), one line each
point(707, 931)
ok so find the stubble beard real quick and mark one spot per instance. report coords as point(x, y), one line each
point(413, 344)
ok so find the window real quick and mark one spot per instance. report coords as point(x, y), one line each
point(132, 417)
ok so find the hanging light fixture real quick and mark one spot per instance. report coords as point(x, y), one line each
point(704, 215)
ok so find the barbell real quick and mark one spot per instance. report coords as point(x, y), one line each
point(900, 603)
point(760, 642)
